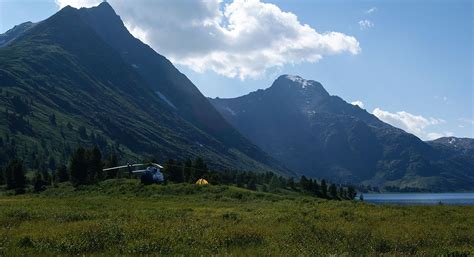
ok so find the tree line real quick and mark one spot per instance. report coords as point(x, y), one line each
point(86, 166)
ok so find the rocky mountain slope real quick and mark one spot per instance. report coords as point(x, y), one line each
point(299, 123)
point(79, 78)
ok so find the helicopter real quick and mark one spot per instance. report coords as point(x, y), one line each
point(151, 174)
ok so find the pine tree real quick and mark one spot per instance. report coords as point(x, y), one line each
point(305, 183)
point(333, 191)
point(112, 161)
point(45, 176)
point(274, 183)
point(251, 185)
point(78, 167)
point(351, 192)
point(200, 168)
point(324, 189)
point(62, 175)
point(316, 188)
point(38, 183)
point(189, 171)
point(291, 183)
point(174, 171)
point(94, 165)
point(15, 176)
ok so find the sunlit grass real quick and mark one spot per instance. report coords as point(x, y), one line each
point(123, 217)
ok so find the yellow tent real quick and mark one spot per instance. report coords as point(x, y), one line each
point(201, 181)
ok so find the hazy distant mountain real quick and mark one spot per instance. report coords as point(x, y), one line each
point(79, 78)
point(459, 145)
point(299, 123)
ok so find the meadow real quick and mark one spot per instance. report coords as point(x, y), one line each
point(122, 217)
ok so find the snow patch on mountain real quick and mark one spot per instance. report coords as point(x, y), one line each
point(163, 97)
point(303, 82)
point(230, 110)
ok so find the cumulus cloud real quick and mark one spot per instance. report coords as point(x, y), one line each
point(366, 24)
point(415, 124)
point(242, 38)
point(358, 103)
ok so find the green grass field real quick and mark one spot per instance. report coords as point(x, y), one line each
point(122, 217)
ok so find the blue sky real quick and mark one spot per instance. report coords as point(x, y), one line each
point(414, 68)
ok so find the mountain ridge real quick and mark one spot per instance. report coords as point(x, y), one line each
point(320, 135)
point(63, 68)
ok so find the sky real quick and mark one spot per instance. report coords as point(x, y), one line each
point(410, 63)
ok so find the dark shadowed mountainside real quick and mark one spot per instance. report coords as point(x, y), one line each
point(319, 135)
point(79, 78)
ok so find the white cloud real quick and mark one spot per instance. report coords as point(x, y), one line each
point(366, 24)
point(371, 10)
point(415, 124)
point(358, 103)
point(243, 38)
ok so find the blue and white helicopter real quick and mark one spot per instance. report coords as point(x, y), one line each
point(152, 173)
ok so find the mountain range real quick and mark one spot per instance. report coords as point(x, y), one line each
point(80, 78)
point(319, 135)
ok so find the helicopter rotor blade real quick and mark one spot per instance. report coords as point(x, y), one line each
point(138, 171)
point(157, 165)
point(116, 168)
point(125, 166)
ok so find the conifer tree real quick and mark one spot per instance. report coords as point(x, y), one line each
point(291, 183)
point(78, 167)
point(316, 188)
point(173, 171)
point(38, 182)
point(112, 161)
point(62, 175)
point(200, 168)
point(333, 191)
point(304, 183)
point(45, 176)
point(251, 185)
point(94, 165)
point(274, 183)
point(15, 176)
point(351, 192)
point(324, 189)
point(189, 171)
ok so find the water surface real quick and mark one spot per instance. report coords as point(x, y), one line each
point(420, 198)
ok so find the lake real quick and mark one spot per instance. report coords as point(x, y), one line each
point(420, 198)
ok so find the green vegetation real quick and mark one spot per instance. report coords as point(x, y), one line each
point(62, 88)
point(86, 168)
point(123, 217)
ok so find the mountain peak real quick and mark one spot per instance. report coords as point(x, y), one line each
point(296, 83)
point(297, 79)
point(103, 8)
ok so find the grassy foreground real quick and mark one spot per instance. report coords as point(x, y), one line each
point(121, 217)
